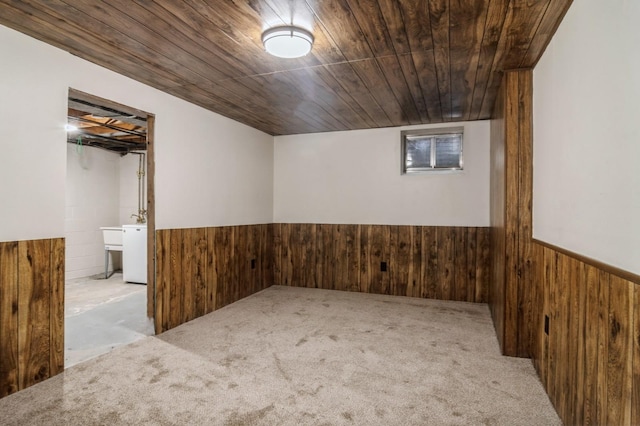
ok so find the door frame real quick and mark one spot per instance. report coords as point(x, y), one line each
point(150, 175)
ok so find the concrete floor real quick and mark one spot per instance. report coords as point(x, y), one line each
point(101, 315)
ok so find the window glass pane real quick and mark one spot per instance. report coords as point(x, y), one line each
point(418, 154)
point(448, 151)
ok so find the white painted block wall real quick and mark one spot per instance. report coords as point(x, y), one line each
point(92, 196)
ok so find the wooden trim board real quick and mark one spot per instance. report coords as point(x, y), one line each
point(629, 276)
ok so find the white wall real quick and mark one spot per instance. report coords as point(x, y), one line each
point(354, 177)
point(128, 202)
point(210, 170)
point(586, 134)
point(33, 109)
point(92, 197)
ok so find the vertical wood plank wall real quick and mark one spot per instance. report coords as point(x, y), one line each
point(199, 270)
point(589, 362)
point(449, 263)
point(511, 219)
point(31, 312)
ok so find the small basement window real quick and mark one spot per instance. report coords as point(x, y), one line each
point(432, 150)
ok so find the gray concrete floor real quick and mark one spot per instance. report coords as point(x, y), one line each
point(101, 315)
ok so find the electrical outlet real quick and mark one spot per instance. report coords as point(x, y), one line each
point(383, 266)
point(546, 325)
point(253, 264)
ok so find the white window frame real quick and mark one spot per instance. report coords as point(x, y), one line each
point(420, 133)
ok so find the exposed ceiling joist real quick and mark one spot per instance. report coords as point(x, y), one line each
point(104, 124)
point(117, 126)
point(87, 139)
point(101, 111)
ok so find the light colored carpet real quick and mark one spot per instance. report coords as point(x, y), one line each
point(291, 356)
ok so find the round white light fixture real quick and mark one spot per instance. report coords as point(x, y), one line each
point(287, 42)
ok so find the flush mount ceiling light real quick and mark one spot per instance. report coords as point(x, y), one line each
point(287, 42)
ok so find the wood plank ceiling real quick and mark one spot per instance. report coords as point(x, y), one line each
point(374, 63)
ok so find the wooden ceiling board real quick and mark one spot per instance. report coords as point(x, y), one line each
point(325, 96)
point(399, 20)
point(439, 15)
point(525, 19)
point(371, 22)
point(495, 18)
point(218, 97)
point(268, 95)
point(394, 74)
point(294, 97)
point(327, 80)
point(278, 93)
point(408, 67)
point(376, 82)
point(340, 23)
point(352, 84)
point(148, 45)
point(425, 64)
point(466, 35)
point(93, 46)
point(189, 39)
point(374, 63)
point(521, 22)
point(198, 36)
point(161, 41)
point(416, 21)
point(547, 28)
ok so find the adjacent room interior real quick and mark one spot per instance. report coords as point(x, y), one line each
point(418, 213)
point(105, 227)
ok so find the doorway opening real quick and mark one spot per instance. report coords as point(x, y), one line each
point(109, 226)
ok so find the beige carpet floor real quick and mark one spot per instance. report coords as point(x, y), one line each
point(291, 356)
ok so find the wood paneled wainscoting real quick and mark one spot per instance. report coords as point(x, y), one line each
point(589, 361)
point(199, 270)
point(449, 263)
point(31, 312)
